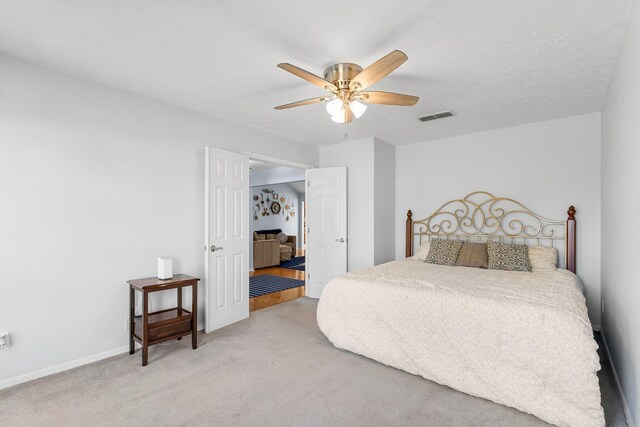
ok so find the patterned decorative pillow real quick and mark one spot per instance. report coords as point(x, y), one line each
point(504, 256)
point(282, 237)
point(473, 255)
point(443, 252)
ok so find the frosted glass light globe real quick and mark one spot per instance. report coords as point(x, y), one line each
point(335, 107)
point(358, 108)
point(338, 118)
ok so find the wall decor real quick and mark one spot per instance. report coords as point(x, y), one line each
point(268, 202)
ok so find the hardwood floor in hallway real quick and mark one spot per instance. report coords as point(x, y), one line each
point(264, 301)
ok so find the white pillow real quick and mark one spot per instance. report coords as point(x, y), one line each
point(422, 252)
point(543, 258)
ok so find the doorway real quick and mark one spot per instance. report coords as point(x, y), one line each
point(276, 227)
point(306, 250)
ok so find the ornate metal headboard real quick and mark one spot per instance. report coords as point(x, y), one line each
point(480, 216)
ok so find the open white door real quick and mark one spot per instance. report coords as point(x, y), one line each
point(326, 202)
point(226, 238)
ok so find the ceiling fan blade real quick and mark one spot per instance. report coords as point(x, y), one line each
point(388, 98)
point(376, 71)
point(310, 77)
point(301, 103)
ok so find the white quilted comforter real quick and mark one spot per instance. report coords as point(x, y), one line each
point(520, 339)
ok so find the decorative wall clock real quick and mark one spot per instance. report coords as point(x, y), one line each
point(275, 208)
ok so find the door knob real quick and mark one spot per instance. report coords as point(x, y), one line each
point(341, 240)
point(215, 248)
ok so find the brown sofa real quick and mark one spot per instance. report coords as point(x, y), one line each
point(268, 251)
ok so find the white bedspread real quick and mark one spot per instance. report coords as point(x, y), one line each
point(520, 339)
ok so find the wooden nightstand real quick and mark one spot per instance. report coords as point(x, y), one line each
point(174, 323)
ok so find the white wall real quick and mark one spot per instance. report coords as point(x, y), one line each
point(547, 166)
point(620, 209)
point(95, 183)
point(358, 157)
point(277, 175)
point(370, 166)
point(384, 201)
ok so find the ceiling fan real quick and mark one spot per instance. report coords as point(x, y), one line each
point(347, 82)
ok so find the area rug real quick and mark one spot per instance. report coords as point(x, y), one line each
point(265, 284)
point(296, 263)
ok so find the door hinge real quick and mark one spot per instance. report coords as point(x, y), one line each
point(308, 183)
point(309, 276)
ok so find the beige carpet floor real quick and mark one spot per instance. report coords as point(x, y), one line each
point(275, 368)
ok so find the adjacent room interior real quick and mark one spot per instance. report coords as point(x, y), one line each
point(277, 202)
point(341, 213)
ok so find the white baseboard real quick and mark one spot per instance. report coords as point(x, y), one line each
point(61, 367)
point(625, 407)
point(10, 382)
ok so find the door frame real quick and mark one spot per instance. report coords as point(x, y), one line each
point(276, 160)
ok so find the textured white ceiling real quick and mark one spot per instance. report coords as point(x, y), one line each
point(495, 63)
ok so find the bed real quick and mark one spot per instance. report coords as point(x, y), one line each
point(521, 339)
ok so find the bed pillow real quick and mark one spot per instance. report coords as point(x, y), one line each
point(473, 255)
point(422, 252)
point(543, 258)
point(443, 252)
point(504, 256)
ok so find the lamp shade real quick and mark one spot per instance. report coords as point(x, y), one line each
point(335, 107)
point(338, 118)
point(358, 108)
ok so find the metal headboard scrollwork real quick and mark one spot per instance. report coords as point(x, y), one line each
point(480, 216)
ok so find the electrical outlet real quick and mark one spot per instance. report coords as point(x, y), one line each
point(602, 306)
point(4, 340)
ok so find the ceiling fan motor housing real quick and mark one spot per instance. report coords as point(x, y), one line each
point(342, 74)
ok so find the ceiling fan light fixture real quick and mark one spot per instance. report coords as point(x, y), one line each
point(347, 84)
point(335, 107)
point(358, 108)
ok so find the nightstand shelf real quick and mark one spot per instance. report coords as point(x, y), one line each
point(164, 325)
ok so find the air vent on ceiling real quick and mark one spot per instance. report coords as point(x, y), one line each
point(436, 116)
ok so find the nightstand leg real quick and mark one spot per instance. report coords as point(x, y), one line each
point(145, 328)
point(194, 315)
point(179, 289)
point(132, 304)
